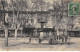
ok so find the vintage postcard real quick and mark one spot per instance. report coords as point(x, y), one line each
point(39, 25)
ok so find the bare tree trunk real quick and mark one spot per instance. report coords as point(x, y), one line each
point(6, 36)
point(21, 33)
point(16, 33)
point(16, 29)
point(57, 33)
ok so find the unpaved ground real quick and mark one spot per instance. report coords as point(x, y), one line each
point(20, 44)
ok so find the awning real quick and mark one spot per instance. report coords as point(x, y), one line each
point(45, 29)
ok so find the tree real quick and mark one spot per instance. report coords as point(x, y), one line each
point(18, 5)
point(38, 5)
point(61, 15)
point(58, 14)
point(4, 4)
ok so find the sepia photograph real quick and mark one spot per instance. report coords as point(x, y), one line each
point(39, 25)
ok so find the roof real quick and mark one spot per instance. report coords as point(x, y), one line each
point(30, 26)
point(25, 12)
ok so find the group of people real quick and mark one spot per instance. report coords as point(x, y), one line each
point(52, 37)
point(60, 36)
